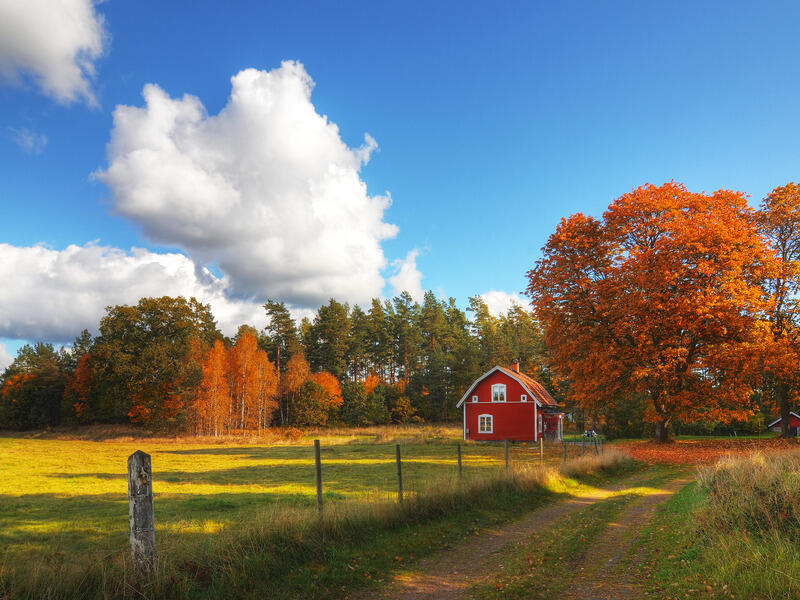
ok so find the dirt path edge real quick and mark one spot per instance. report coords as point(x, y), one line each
point(450, 574)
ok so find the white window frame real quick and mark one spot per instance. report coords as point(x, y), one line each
point(523, 398)
point(474, 398)
point(501, 389)
point(489, 419)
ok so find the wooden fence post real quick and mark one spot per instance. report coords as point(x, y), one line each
point(596, 451)
point(318, 467)
point(583, 439)
point(506, 445)
point(458, 451)
point(140, 511)
point(541, 451)
point(564, 443)
point(601, 446)
point(399, 474)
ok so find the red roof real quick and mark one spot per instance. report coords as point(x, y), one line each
point(534, 387)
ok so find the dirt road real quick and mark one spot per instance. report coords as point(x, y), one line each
point(451, 574)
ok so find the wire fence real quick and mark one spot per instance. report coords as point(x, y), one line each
point(396, 473)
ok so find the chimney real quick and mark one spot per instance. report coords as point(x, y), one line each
point(515, 365)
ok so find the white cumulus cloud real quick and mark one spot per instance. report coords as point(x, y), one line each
point(499, 302)
point(29, 141)
point(53, 294)
point(5, 358)
point(408, 277)
point(54, 42)
point(266, 190)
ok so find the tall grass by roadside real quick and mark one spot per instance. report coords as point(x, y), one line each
point(611, 461)
point(757, 494)
point(750, 524)
point(292, 552)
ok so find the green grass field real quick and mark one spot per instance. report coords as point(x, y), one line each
point(67, 498)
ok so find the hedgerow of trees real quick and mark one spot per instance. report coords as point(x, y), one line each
point(164, 364)
point(673, 310)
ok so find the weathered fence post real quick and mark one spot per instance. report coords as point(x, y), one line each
point(399, 474)
point(458, 452)
point(318, 466)
point(541, 451)
point(564, 443)
point(601, 446)
point(583, 439)
point(506, 445)
point(140, 510)
point(596, 451)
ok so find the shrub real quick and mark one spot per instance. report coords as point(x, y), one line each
point(292, 433)
point(312, 406)
point(757, 493)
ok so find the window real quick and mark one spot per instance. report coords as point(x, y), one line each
point(474, 398)
point(485, 424)
point(499, 392)
point(523, 398)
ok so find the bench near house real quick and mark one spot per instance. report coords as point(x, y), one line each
point(506, 404)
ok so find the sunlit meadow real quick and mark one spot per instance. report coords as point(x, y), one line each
point(71, 495)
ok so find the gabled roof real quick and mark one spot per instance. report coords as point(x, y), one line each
point(533, 387)
point(778, 420)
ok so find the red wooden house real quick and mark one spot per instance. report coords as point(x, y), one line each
point(794, 424)
point(506, 404)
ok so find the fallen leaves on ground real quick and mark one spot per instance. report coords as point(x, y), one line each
point(699, 452)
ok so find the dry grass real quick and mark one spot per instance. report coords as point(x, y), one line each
point(756, 494)
point(750, 524)
point(609, 461)
point(273, 436)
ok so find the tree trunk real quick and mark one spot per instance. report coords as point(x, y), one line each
point(241, 421)
point(782, 396)
point(662, 433)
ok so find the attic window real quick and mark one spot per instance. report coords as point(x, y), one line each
point(523, 398)
point(474, 398)
point(499, 392)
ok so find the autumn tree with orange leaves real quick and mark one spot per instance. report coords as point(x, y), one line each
point(213, 406)
point(658, 298)
point(779, 220)
point(241, 377)
point(317, 399)
point(77, 387)
point(253, 382)
point(265, 392)
point(238, 389)
point(296, 374)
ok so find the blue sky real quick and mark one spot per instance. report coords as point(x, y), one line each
point(491, 121)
